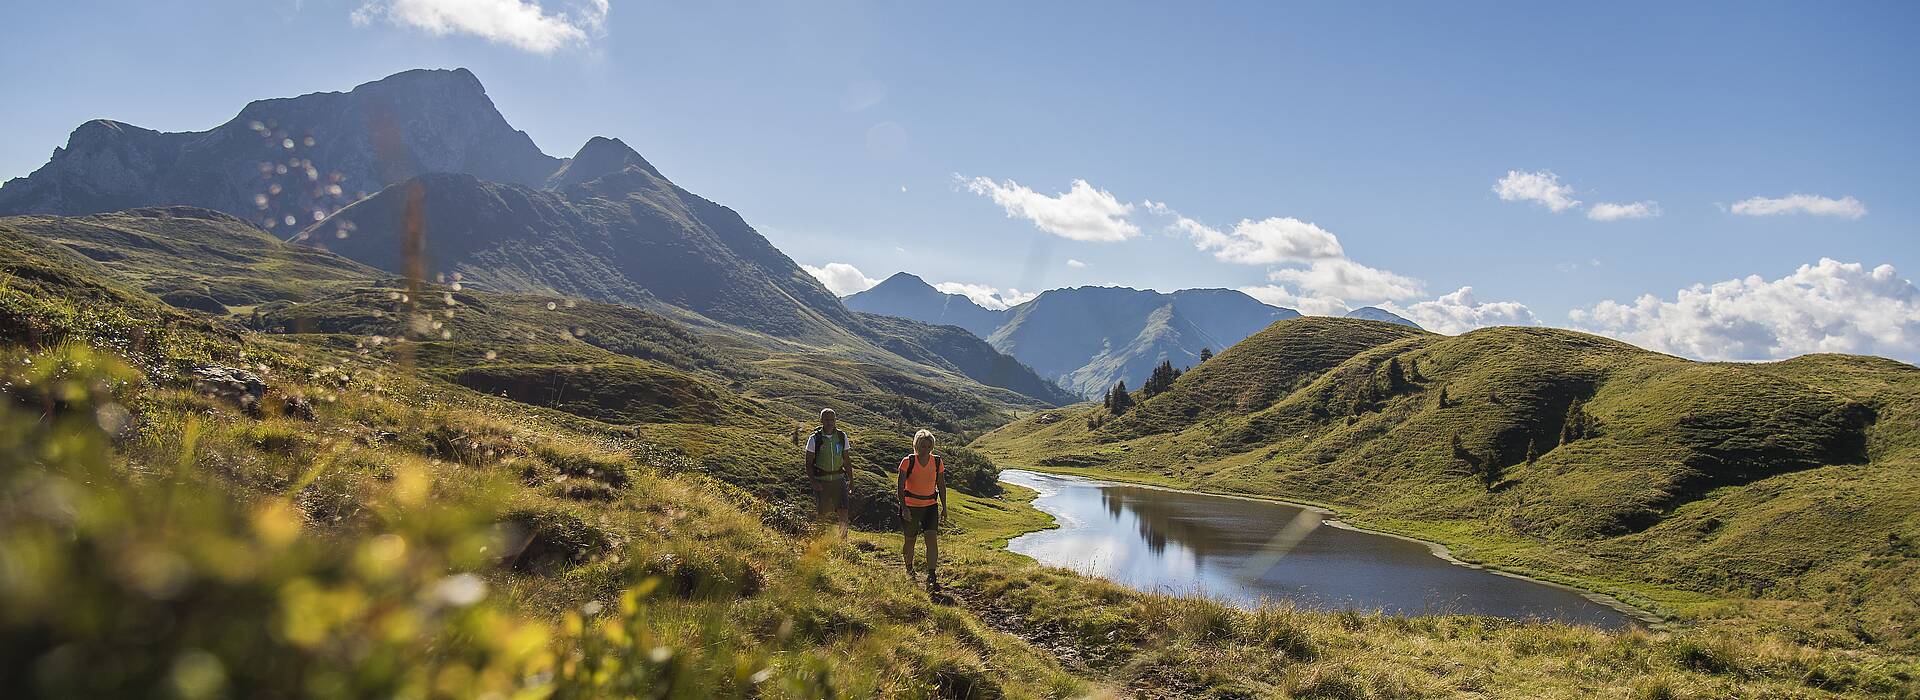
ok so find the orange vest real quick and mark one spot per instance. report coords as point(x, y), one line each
point(923, 488)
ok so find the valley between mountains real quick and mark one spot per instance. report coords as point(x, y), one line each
point(360, 393)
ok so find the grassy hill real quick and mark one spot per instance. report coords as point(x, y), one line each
point(195, 258)
point(1781, 492)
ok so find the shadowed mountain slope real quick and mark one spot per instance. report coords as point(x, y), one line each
point(965, 353)
point(629, 237)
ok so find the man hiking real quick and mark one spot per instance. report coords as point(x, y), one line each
point(923, 503)
point(828, 470)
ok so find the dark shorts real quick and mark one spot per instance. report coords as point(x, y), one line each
point(830, 496)
point(920, 519)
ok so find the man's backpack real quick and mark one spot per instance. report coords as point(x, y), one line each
point(812, 457)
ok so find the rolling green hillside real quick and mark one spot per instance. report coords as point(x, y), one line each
point(1782, 492)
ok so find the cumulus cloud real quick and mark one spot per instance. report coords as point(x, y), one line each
point(1279, 295)
point(1828, 306)
point(1543, 188)
point(1609, 211)
point(1269, 241)
point(1082, 213)
point(840, 278)
point(522, 24)
point(1844, 207)
point(1345, 279)
point(987, 296)
point(1460, 312)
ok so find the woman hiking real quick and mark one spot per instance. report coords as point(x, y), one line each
point(923, 503)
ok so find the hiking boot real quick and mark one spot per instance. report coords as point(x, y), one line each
point(933, 581)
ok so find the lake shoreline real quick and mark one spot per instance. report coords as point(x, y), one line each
point(1332, 518)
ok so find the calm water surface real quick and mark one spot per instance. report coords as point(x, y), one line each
point(1246, 551)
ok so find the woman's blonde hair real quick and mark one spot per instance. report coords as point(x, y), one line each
point(924, 434)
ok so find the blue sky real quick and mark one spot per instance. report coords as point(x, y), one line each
point(1362, 143)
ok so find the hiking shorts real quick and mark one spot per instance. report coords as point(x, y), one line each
point(921, 519)
point(830, 496)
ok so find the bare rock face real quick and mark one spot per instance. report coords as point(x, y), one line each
point(285, 163)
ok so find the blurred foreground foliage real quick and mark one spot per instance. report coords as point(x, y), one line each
point(129, 566)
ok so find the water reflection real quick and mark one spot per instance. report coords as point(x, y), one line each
point(1247, 551)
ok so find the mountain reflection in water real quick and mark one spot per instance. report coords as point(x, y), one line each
point(1246, 551)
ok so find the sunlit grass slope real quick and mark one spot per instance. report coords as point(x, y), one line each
point(410, 538)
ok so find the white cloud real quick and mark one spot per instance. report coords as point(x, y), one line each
point(1082, 213)
point(1609, 211)
point(987, 296)
point(1269, 241)
point(1844, 207)
point(1075, 263)
point(1541, 187)
point(1828, 306)
point(522, 24)
point(1460, 312)
point(1278, 295)
point(840, 278)
point(1345, 279)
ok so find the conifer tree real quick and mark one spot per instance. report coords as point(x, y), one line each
point(1443, 396)
point(1161, 379)
point(1206, 354)
point(1577, 426)
point(1396, 377)
point(1122, 401)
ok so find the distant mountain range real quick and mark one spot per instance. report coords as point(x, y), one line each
point(1375, 313)
point(418, 174)
point(1087, 338)
point(907, 296)
point(289, 157)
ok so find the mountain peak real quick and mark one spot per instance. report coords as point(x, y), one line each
point(599, 157)
point(1375, 313)
point(904, 278)
point(362, 140)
